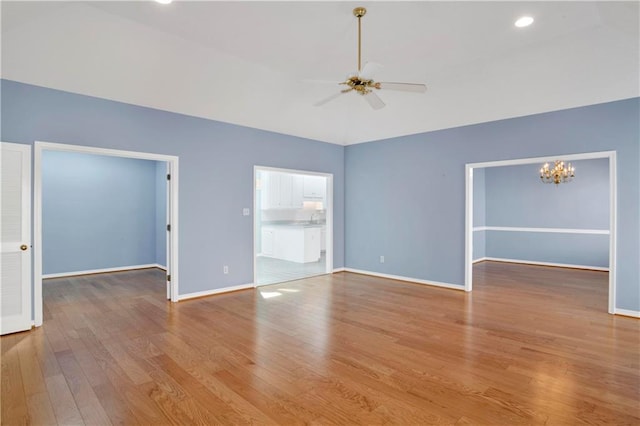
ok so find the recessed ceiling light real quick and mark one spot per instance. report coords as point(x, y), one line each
point(164, 1)
point(525, 21)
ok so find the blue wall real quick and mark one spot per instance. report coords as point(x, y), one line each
point(97, 212)
point(405, 196)
point(568, 249)
point(216, 169)
point(515, 197)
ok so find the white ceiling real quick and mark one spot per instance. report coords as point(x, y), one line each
point(264, 64)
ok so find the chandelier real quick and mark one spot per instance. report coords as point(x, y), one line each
point(560, 172)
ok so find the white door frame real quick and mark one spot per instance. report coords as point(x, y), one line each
point(39, 147)
point(613, 188)
point(329, 215)
point(168, 230)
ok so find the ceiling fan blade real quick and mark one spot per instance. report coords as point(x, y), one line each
point(373, 100)
point(309, 81)
point(369, 70)
point(330, 98)
point(405, 87)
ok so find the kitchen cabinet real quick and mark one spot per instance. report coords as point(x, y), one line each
point(282, 191)
point(311, 244)
point(268, 241)
point(283, 195)
point(323, 238)
point(297, 191)
point(294, 243)
point(315, 187)
point(268, 184)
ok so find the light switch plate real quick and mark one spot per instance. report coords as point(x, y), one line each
point(245, 212)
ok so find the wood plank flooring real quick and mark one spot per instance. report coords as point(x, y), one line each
point(530, 345)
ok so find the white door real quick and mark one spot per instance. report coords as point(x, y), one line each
point(15, 224)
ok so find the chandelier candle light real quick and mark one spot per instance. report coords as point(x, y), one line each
point(558, 174)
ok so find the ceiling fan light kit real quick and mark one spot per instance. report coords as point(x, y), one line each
point(362, 81)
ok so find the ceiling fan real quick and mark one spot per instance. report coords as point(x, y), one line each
point(362, 82)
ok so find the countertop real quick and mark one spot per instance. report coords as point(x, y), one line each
point(294, 223)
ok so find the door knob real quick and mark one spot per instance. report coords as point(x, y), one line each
point(23, 247)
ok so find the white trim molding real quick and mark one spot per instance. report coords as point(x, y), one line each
point(215, 291)
point(406, 279)
point(627, 313)
point(547, 230)
point(535, 160)
point(339, 270)
point(533, 262)
point(613, 227)
point(102, 271)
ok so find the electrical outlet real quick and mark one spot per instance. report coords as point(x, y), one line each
point(381, 259)
point(225, 269)
point(245, 212)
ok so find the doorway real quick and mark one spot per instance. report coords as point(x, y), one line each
point(610, 232)
point(293, 225)
point(165, 165)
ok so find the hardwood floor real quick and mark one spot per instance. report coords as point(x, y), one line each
point(530, 345)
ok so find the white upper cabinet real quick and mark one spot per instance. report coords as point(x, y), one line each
point(270, 187)
point(281, 190)
point(286, 187)
point(297, 191)
point(315, 187)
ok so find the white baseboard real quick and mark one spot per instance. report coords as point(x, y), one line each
point(531, 262)
point(481, 259)
point(338, 270)
point(407, 279)
point(215, 291)
point(627, 313)
point(159, 266)
point(101, 271)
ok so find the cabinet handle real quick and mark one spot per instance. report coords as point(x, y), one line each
point(23, 247)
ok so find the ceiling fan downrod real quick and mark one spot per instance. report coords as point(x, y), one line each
point(359, 12)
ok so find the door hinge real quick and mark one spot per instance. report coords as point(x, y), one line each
point(168, 277)
point(168, 177)
point(169, 227)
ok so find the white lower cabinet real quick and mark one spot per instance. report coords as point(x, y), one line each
point(293, 243)
point(268, 241)
point(311, 244)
